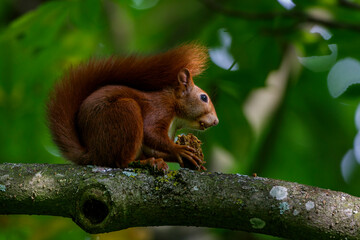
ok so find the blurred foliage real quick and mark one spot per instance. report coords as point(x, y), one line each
point(302, 138)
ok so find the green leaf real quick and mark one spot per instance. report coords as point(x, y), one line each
point(349, 166)
point(342, 75)
point(320, 63)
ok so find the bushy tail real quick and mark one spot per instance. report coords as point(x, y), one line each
point(147, 73)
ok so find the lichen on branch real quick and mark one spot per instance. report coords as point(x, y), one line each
point(105, 199)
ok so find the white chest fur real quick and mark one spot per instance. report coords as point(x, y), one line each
point(176, 124)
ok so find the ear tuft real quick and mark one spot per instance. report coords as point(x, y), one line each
point(184, 76)
point(185, 81)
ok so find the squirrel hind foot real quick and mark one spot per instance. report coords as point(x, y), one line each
point(157, 164)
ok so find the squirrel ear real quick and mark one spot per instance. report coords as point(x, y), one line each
point(185, 81)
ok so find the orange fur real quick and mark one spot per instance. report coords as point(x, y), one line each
point(97, 111)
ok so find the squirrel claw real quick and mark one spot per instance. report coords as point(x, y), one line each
point(188, 152)
point(158, 164)
point(202, 168)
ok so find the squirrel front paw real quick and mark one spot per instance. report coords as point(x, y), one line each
point(192, 141)
point(188, 153)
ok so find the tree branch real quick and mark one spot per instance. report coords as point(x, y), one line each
point(348, 4)
point(301, 17)
point(104, 199)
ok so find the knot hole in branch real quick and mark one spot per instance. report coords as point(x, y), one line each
point(93, 207)
point(95, 210)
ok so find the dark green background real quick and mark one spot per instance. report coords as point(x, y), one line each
point(304, 138)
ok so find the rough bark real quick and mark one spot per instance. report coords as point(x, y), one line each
point(104, 199)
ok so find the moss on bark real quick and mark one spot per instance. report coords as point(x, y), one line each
point(104, 199)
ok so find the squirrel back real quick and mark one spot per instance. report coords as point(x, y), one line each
point(144, 73)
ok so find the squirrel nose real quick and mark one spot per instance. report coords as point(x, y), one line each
point(216, 121)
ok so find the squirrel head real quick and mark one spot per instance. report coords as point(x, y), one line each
point(194, 106)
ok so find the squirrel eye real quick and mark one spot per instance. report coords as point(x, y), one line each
point(204, 98)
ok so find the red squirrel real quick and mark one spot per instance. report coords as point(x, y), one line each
point(111, 112)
